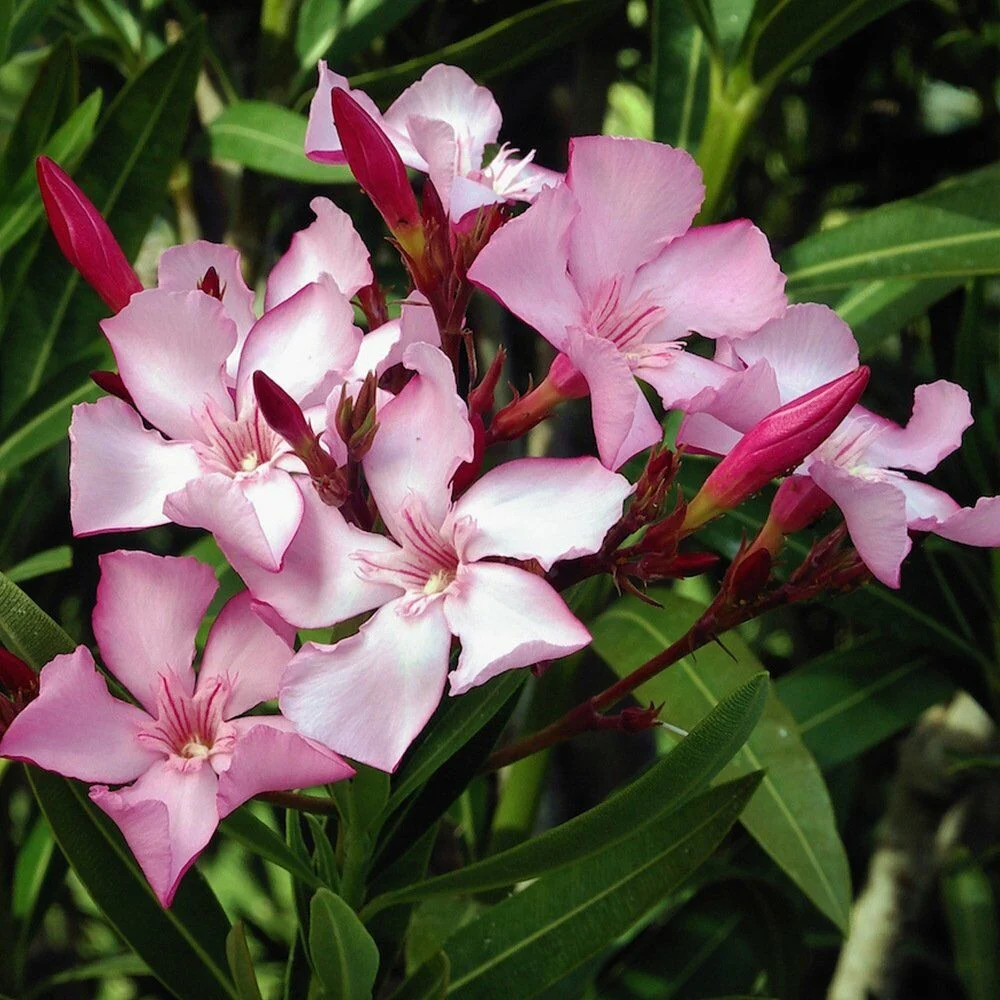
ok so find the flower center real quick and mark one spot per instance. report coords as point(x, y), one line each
point(438, 581)
point(190, 728)
point(250, 461)
point(625, 323)
point(196, 748)
point(237, 447)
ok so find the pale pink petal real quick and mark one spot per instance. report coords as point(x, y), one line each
point(468, 195)
point(330, 245)
point(979, 525)
point(634, 197)
point(182, 269)
point(120, 472)
point(703, 434)
point(678, 376)
point(270, 756)
point(318, 584)
point(436, 142)
point(76, 728)
point(302, 343)
point(941, 414)
point(720, 281)
point(541, 508)
point(146, 616)
point(323, 143)
point(385, 346)
point(809, 346)
point(424, 435)
point(249, 646)
point(368, 696)
point(167, 817)
point(450, 95)
point(257, 516)
point(524, 266)
point(171, 349)
point(624, 424)
point(875, 513)
point(926, 506)
point(506, 618)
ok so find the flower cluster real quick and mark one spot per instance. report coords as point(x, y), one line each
point(341, 470)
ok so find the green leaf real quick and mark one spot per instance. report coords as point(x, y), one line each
point(29, 16)
point(791, 816)
point(501, 47)
point(271, 140)
point(102, 968)
point(784, 34)
point(664, 787)
point(363, 22)
point(50, 100)
point(6, 20)
point(680, 76)
point(344, 955)
point(183, 946)
point(255, 835)
point(875, 310)
point(315, 29)
point(41, 564)
point(534, 938)
point(455, 723)
point(970, 906)
point(846, 702)
point(22, 207)
point(241, 964)
point(35, 430)
point(950, 232)
point(125, 174)
point(429, 982)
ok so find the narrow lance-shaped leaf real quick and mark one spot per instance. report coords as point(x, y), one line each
point(663, 788)
point(791, 816)
point(534, 938)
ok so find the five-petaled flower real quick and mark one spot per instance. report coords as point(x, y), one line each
point(170, 768)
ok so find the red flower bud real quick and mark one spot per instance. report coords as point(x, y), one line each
point(379, 169)
point(112, 384)
point(775, 445)
point(798, 502)
point(84, 237)
point(15, 674)
point(282, 412)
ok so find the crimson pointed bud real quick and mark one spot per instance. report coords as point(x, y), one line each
point(775, 445)
point(748, 574)
point(379, 169)
point(15, 674)
point(112, 384)
point(211, 285)
point(84, 237)
point(798, 502)
point(282, 412)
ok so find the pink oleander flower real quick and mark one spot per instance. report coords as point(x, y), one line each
point(608, 270)
point(186, 359)
point(448, 570)
point(860, 467)
point(84, 237)
point(170, 768)
point(440, 125)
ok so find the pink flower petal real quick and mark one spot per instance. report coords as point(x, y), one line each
point(678, 376)
point(941, 414)
point(120, 472)
point(330, 245)
point(720, 281)
point(436, 142)
point(979, 525)
point(624, 424)
point(257, 516)
point(171, 349)
point(369, 696)
point(926, 507)
point(167, 817)
point(182, 268)
point(809, 346)
point(322, 142)
point(506, 618)
point(875, 513)
point(244, 647)
point(634, 196)
point(385, 346)
point(146, 616)
point(76, 728)
point(318, 584)
point(703, 434)
point(270, 756)
point(469, 195)
point(541, 508)
point(524, 266)
point(301, 342)
point(449, 95)
point(424, 435)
